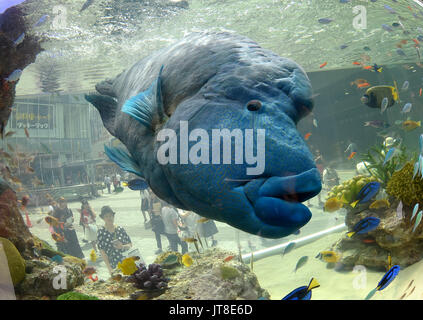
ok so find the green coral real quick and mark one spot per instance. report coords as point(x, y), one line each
point(403, 187)
point(72, 295)
point(349, 189)
point(14, 260)
point(376, 158)
point(228, 272)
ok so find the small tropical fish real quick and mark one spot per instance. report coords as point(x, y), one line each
point(389, 155)
point(202, 220)
point(420, 92)
point(315, 123)
point(344, 46)
point(325, 20)
point(57, 258)
point(187, 260)
point(332, 205)
point(358, 81)
point(410, 125)
point(399, 211)
point(407, 108)
point(41, 20)
point(57, 237)
point(189, 240)
point(302, 293)
point(307, 136)
point(367, 48)
point(364, 226)
point(323, 64)
point(352, 155)
point(288, 248)
point(377, 124)
point(368, 240)
point(388, 278)
point(329, 256)
point(14, 76)
point(367, 193)
point(384, 105)
point(405, 86)
point(127, 266)
point(137, 184)
point(418, 219)
point(356, 63)
point(228, 258)
point(93, 256)
point(387, 28)
point(378, 204)
point(19, 40)
point(389, 261)
point(301, 262)
point(363, 85)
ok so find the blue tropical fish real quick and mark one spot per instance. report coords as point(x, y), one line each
point(389, 155)
point(388, 277)
point(57, 258)
point(137, 184)
point(302, 293)
point(367, 193)
point(365, 225)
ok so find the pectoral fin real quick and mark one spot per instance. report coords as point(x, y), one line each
point(147, 107)
point(123, 160)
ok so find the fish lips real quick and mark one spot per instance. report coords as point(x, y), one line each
point(277, 200)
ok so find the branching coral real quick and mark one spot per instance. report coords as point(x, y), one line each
point(404, 188)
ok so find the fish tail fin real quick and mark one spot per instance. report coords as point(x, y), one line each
point(313, 284)
point(354, 203)
point(350, 234)
point(107, 107)
point(419, 123)
point(123, 160)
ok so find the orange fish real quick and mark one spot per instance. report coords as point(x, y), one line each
point(352, 155)
point(416, 41)
point(357, 63)
point(420, 92)
point(57, 237)
point(228, 258)
point(323, 64)
point(367, 67)
point(307, 136)
point(363, 85)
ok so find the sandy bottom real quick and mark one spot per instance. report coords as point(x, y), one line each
point(274, 273)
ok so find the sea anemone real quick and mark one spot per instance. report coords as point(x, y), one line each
point(150, 278)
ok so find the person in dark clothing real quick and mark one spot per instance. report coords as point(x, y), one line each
point(70, 245)
point(157, 224)
point(207, 230)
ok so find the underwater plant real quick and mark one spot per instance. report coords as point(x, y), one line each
point(379, 166)
point(403, 187)
point(72, 295)
point(349, 189)
point(150, 278)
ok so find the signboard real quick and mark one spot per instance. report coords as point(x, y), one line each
point(32, 116)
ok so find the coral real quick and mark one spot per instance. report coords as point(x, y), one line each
point(350, 188)
point(14, 260)
point(76, 296)
point(228, 272)
point(150, 278)
point(404, 188)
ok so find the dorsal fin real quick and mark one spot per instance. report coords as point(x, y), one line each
point(123, 160)
point(107, 106)
point(147, 106)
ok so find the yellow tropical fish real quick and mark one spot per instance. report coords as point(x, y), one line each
point(187, 260)
point(124, 184)
point(389, 261)
point(332, 205)
point(190, 240)
point(93, 256)
point(127, 266)
point(409, 125)
point(377, 204)
point(329, 256)
point(202, 220)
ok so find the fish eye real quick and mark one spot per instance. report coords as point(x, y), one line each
point(253, 105)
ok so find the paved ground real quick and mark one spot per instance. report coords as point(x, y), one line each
point(128, 215)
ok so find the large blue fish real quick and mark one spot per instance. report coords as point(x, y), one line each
point(302, 293)
point(204, 83)
point(364, 226)
point(367, 193)
point(388, 277)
